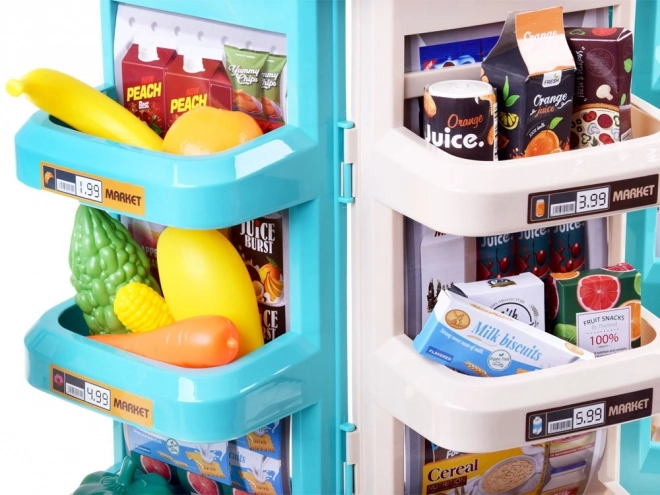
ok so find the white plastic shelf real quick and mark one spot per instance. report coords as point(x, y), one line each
point(473, 198)
point(473, 414)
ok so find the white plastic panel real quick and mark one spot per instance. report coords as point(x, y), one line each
point(397, 174)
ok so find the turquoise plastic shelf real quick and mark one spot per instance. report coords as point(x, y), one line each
point(272, 382)
point(201, 192)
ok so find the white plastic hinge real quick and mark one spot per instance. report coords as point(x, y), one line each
point(347, 168)
point(352, 454)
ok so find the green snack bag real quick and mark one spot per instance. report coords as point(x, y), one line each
point(244, 68)
point(271, 81)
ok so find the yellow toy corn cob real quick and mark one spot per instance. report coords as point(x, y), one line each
point(83, 107)
point(140, 308)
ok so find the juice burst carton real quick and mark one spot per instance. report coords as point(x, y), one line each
point(473, 339)
point(533, 252)
point(143, 73)
point(601, 104)
point(495, 256)
point(534, 72)
point(519, 297)
point(191, 83)
point(599, 310)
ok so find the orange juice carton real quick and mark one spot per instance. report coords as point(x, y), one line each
point(599, 310)
point(533, 70)
point(520, 297)
point(189, 82)
point(601, 104)
point(473, 339)
point(143, 77)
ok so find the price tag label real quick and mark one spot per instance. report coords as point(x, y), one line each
point(598, 198)
point(604, 332)
point(116, 402)
point(563, 421)
point(101, 191)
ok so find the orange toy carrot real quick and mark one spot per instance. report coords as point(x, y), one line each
point(197, 342)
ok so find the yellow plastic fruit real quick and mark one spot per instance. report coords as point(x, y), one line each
point(83, 107)
point(205, 130)
point(140, 308)
point(201, 273)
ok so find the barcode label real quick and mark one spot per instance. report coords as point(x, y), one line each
point(560, 209)
point(74, 391)
point(65, 186)
point(559, 426)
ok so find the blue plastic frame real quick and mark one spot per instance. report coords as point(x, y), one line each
point(295, 168)
point(639, 456)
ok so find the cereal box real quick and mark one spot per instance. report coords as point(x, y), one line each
point(473, 339)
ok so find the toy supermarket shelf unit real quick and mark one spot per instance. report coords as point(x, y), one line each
point(294, 168)
point(398, 174)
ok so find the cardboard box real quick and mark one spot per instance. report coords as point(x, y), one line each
point(473, 339)
point(519, 297)
point(601, 103)
point(533, 70)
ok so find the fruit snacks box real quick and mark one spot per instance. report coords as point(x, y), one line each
point(599, 310)
point(533, 70)
point(473, 339)
point(520, 297)
point(208, 460)
point(601, 103)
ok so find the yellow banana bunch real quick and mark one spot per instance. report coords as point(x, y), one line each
point(84, 108)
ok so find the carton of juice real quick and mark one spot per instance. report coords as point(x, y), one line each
point(533, 70)
point(495, 256)
point(189, 82)
point(533, 252)
point(599, 310)
point(143, 75)
point(601, 105)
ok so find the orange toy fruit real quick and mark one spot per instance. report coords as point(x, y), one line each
point(205, 130)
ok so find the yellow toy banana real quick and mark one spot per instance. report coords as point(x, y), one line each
point(84, 108)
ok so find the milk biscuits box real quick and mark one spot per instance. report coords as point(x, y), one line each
point(472, 338)
point(533, 70)
point(521, 297)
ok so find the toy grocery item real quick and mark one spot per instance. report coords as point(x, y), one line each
point(599, 309)
point(534, 72)
point(601, 104)
point(196, 342)
point(140, 308)
point(473, 339)
point(143, 73)
point(83, 107)
point(205, 130)
point(271, 87)
point(460, 118)
point(127, 482)
point(244, 67)
point(103, 257)
point(203, 274)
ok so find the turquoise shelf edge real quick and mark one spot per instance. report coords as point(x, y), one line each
point(195, 405)
point(640, 457)
point(268, 174)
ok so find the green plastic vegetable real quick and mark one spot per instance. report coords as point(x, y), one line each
point(104, 257)
point(126, 482)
